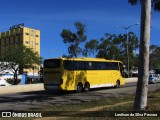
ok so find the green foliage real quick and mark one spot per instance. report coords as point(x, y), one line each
point(110, 47)
point(155, 4)
point(74, 39)
point(134, 2)
point(115, 47)
point(154, 57)
point(20, 55)
point(11, 81)
point(90, 47)
point(15, 58)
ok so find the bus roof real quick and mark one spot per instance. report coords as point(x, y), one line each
point(87, 59)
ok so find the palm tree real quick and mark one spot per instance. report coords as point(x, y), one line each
point(143, 68)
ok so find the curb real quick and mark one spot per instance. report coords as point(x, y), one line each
point(21, 88)
point(36, 87)
point(130, 80)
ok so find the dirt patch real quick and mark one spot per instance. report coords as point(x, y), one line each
point(106, 106)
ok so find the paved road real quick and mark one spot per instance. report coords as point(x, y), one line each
point(38, 99)
point(35, 87)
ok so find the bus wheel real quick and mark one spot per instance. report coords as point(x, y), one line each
point(117, 84)
point(79, 87)
point(86, 87)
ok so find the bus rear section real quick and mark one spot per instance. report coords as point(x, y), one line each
point(52, 74)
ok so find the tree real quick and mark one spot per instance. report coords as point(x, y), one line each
point(90, 47)
point(154, 57)
point(106, 47)
point(15, 58)
point(154, 3)
point(1, 66)
point(143, 68)
point(74, 39)
point(114, 47)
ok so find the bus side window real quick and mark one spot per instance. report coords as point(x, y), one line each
point(115, 65)
point(72, 65)
point(103, 66)
point(94, 66)
point(109, 66)
point(69, 65)
point(98, 65)
point(90, 65)
point(80, 65)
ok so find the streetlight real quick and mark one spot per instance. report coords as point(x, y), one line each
point(126, 28)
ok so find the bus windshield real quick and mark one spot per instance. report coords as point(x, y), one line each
point(52, 63)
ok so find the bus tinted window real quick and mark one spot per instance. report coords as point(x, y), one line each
point(109, 66)
point(69, 65)
point(74, 65)
point(81, 65)
point(122, 69)
point(115, 66)
point(90, 65)
point(52, 63)
point(103, 66)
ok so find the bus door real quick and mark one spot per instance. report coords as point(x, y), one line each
point(121, 66)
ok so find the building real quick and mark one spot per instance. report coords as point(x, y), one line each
point(21, 35)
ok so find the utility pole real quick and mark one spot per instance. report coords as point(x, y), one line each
point(126, 28)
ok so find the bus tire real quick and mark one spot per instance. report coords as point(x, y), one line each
point(117, 84)
point(86, 87)
point(79, 87)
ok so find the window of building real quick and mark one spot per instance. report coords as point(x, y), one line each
point(36, 43)
point(32, 30)
point(37, 35)
point(27, 42)
point(26, 33)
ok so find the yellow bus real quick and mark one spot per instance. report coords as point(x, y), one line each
point(82, 74)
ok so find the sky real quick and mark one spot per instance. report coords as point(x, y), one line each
point(52, 16)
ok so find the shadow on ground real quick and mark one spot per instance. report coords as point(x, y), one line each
point(39, 99)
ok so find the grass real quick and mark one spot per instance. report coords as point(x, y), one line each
point(89, 105)
point(101, 109)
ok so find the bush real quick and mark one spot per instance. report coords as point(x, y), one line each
point(11, 81)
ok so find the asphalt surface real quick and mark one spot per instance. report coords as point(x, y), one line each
point(35, 87)
point(39, 99)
